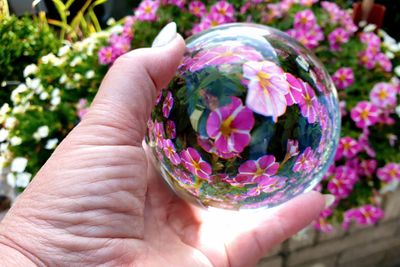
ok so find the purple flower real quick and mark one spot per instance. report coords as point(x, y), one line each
point(197, 8)
point(343, 182)
point(338, 37)
point(170, 152)
point(364, 114)
point(368, 167)
point(364, 215)
point(390, 172)
point(230, 126)
point(267, 88)
point(267, 185)
point(383, 95)
point(107, 55)
point(147, 10)
point(348, 147)
point(295, 90)
point(343, 78)
point(225, 9)
point(193, 162)
point(255, 171)
point(159, 134)
point(167, 104)
point(308, 103)
point(305, 162)
point(170, 129)
point(304, 20)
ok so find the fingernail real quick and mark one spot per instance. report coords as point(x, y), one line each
point(329, 199)
point(166, 35)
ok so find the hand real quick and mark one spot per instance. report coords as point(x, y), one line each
point(97, 200)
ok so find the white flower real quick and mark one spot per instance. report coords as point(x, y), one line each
point(19, 164)
point(63, 50)
point(117, 29)
point(10, 122)
point(33, 83)
point(23, 179)
point(4, 148)
point(362, 23)
point(77, 77)
point(4, 109)
point(369, 28)
point(76, 61)
point(3, 134)
point(89, 74)
point(15, 141)
point(44, 96)
point(394, 48)
point(398, 110)
point(389, 54)
point(30, 69)
point(51, 144)
point(43, 131)
point(397, 71)
point(51, 58)
point(110, 21)
point(389, 187)
point(55, 101)
point(63, 78)
point(20, 89)
point(302, 63)
point(11, 180)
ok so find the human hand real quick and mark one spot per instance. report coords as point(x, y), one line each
point(98, 201)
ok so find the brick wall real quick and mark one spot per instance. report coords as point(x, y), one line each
point(374, 246)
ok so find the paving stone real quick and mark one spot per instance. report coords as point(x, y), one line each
point(275, 261)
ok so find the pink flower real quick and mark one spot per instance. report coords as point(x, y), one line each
point(197, 8)
point(389, 173)
point(255, 171)
point(267, 185)
point(295, 90)
point(208, 145)
point(230, 126)
point(204, 25)
point(178, 3)
point(333, 11)
point(107, 55)
point(368, 167)
point(364, 114)
point(338, 37)
point(342, 107)
point(193, 162)
point(384, 62)
point(267, 88)
point(370, 39)
point(225, 9)
point(170, 152)
point(367, 59)
point(321, 223)
point(363, 141)
point(383, 95)
point(214, 19)
point(343, 182)
point(364, 215)
point(309, 38)
point(159, 134)
point(120, 44)
point(167, 104)
point(304, 19)
point(343, 78)
point(170, 129)
point(292, 148)
point(348, 147)
point(82, 108)
point(308, 104)
point(147, 10)
point(183, 177)
point(305, 162)
point(224, 55)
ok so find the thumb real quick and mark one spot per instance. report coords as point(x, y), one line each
point(128, 91)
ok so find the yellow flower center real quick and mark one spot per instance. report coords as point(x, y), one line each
point(147, 9)
point(264, 78)
point(195, 165)
point(196, 10)
point(303, 20)
point(214, 23)
point(226, 128)
point(392, 173)
point(259, 172)
point(346, 146)
point(364, 114)
point(222, 11)
point(382, 95)
point(342, 78)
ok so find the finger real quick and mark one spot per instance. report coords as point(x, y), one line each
point(246, 237)
point(127, 93)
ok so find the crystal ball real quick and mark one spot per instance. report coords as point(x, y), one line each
point(250, 120)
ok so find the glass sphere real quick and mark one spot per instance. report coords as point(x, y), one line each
point(250, 120)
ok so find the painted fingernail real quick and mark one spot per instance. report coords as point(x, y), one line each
point(329, 199)
point(166, 35)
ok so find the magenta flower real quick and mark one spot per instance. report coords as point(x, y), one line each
point(183, 177)
point(224, 55)
point(304, 19)
point(255, 171)
point(343, 182)
point(365, 215)
point(197, 8)
point(170, 129)
point(321, 223)
point(364, 114)
point(178, 3)
point(147, 10)
point(389, 173)
point(204, 25)
point(224, 9)
point(295, 90)
point(338, 37)
point(267, 88)
point(107, 55)
point(305, 162)
point(167, 104)
point(230, 126)
point(333, 11)
point(348, 148)
point(368, 167)
point(363, 141)
point(193, 162)
point(208, 145)
point(82, 108)
point(214, 19)
point(342, 107)
point(308, 104)
point(308, 38)
point(343, 78)
point(367, 59)
point(383, 95)
point(384, 62)
point(292, 148)
point(370, 39)
point(170, 152)
point(159, 134)
point(267, 185)
point(120, 44)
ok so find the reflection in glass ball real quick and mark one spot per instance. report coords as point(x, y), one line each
point(250, 120)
